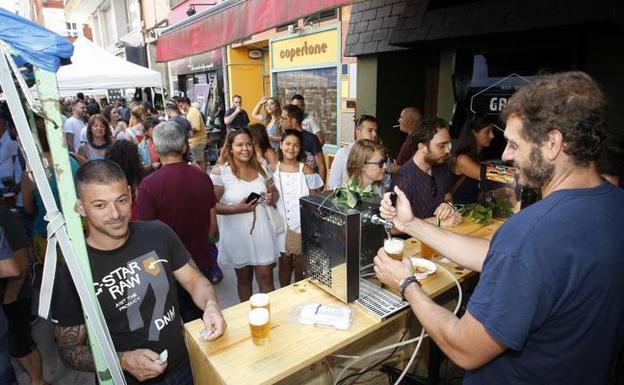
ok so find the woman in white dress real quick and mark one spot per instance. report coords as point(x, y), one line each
point(247, 238)
point(367, 164)
point(293, 180)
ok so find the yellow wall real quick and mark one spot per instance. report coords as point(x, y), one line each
point(244, 77)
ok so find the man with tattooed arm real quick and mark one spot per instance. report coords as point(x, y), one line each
point(134, 266)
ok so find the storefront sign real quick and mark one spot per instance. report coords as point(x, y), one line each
point(492, 100)
point(307, 50)
point(208, 61)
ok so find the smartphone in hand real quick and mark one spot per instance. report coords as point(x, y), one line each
point(252, 197)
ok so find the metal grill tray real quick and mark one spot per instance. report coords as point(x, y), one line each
point(381, 303)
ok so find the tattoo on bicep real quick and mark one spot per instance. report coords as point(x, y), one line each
point(73, 349)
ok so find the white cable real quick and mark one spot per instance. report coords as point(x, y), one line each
point(374, 352)
point(404, 343)
point(412, 358)
point(459, 301)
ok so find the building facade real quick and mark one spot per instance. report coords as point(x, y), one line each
point(116, 25)
point(248, 58)
point(452, 58)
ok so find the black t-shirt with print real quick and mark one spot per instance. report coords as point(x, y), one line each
point(135, 287)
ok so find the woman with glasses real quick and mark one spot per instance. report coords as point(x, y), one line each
point(366, 165)
point(476, 134)
point(271, 118)
point(244, 191)
point(293, 180)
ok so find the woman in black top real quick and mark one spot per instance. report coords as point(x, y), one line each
point(476, 134)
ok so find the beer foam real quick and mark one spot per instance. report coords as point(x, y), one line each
point(393, 245)
point(259, 300)
point(258, 316)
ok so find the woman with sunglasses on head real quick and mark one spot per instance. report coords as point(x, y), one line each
point(293, 180)
point(244, 191)
point(367, 165)
point(465, 162)
point(271, 118)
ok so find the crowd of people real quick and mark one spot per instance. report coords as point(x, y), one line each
point(161, 222)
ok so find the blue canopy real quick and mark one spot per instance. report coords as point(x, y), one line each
point(33, 43)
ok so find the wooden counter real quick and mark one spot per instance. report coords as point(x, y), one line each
point(234, 359)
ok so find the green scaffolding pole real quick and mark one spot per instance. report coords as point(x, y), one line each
point(49, 96)
point(66, 228)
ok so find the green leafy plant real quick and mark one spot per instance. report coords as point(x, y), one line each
point(501, 207)
point(352, 193)
point(479, 214)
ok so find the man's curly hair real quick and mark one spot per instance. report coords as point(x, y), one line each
point(570, 102)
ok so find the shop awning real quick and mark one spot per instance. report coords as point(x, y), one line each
point(232, 21)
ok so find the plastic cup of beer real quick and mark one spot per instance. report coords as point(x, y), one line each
point(259, 326)
point(394, 248)
point(260, 300)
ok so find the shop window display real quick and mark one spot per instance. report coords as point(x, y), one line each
point(319, 87)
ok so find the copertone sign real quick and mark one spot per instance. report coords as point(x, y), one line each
point(312, 49)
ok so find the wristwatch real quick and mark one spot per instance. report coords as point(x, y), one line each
point(405, 282)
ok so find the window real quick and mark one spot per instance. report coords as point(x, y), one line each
point(319, 87)
point(71, 29)
point(106, 27)
point(328, 14)
point(134, 15)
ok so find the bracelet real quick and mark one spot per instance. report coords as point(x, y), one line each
point(405, 282)
point(450, 204)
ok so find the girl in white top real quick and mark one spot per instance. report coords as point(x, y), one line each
point(293, 180)
point(367, 165)
point(247, 238)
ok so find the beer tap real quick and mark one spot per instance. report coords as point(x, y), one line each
point(374, 218)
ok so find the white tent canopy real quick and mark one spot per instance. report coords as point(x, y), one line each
point(93, 68)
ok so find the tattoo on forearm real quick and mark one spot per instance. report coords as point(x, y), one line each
point(72, 348)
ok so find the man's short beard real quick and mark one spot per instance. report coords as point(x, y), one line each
point(435, 162)
point(537, 173)
point(103, 230)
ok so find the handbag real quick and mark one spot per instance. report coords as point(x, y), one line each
point(276, 220)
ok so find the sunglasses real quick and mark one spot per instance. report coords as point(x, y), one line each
point(379, 163)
